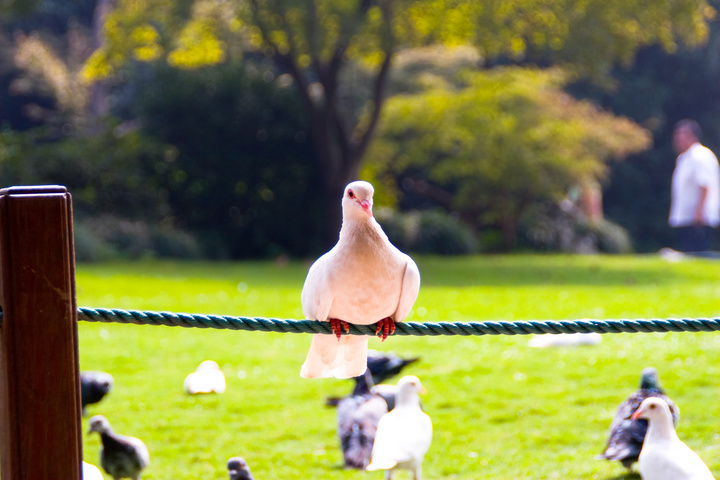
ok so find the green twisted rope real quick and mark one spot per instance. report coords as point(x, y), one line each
point(403, 328)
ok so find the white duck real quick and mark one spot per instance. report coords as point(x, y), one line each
point(664, 456)
point(362, 280)
point(404, 434)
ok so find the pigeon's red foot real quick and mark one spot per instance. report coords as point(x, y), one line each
point(338, 326)
point(385, 327)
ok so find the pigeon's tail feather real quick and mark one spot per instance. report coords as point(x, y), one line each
point(330, 357)
point(357, 453)
point(620, 452)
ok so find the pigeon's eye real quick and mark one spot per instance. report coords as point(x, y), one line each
point(652, 407)
point(351, 194)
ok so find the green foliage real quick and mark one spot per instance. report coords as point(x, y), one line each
point(241, 167)
point(221, 153)
point(548, 227)
point(506, 140)
point(109, 236)
point(590, 36)
point(427, 232)
point(89, 247)
point(315, 41)
point(120, 208)
point(500, 409)
point(106, 173)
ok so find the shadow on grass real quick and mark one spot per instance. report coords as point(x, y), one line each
point(626, 476)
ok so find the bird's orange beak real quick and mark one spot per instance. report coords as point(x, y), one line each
point(637, 414)
point(367, 206)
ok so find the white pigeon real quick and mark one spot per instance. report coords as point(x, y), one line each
point(362, 280)
point(404, 434)
point(91, 472)
point(664, 456)
point(208, 378)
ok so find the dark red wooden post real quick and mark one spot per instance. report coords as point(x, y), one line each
point(40, 426)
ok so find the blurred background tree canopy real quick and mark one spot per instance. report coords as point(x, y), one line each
point(229, 129)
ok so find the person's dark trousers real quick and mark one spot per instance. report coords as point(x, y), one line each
point(695, 238)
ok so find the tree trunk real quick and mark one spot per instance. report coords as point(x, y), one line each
point(100, 90)
point(342, 170)
point(339, 146)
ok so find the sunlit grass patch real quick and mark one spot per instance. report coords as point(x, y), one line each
point(500, 409)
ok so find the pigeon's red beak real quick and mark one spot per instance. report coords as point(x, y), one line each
point(637, 414)
point(367, 206)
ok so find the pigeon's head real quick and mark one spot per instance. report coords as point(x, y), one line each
point(410, 384)
point(208, 365)
point(99, 424)
point(652, 408)
point(99, 380)
point(649, 379)
point(238, 468)
point(358, 200)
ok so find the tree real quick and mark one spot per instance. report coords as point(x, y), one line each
point(508, 139)
point(316, 40)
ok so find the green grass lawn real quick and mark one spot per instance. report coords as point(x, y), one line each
point(500, 409)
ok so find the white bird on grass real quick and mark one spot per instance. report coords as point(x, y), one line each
point(404, 434)
point(664, 456)
point(91, 472)
point(208, 378)
point(363, 279)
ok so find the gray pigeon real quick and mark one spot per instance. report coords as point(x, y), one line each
point(357, 420)
point(238, 469)
point(627, 434)
point(384, 365)
point(120, 456)
point(94, 386)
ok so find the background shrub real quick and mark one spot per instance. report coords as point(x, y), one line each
point(553, 229)
point(427, 232)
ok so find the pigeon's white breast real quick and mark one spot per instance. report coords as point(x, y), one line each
point(366, 289)
point(671, 460)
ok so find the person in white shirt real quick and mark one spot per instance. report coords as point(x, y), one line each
point(695, 194)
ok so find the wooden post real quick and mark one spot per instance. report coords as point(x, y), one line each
point(40, 411)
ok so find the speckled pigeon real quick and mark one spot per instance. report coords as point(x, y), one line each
point(362, 280)
point(357, 421)
point(120, 456)
point(626, 433)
